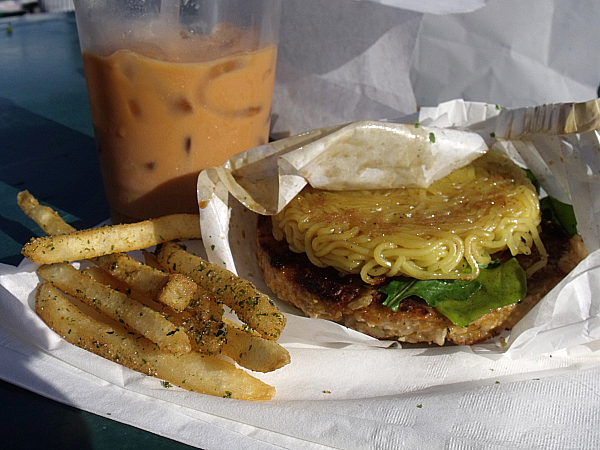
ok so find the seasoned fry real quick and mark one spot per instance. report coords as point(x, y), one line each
point(247, 348)
point(150, 259)
point(48, 219)
point(206, 336)
point(94, 242)
point(204, 374)
point(144, 279)
point(164, 323)
point(178, 292)
point(252, 351)
point(200, 321)
point(209, 333)
point(117, 305)
point(253, 307)
point(174, 290)
point(102, 276)
point(205, 306)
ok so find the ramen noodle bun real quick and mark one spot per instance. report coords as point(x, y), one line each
point(445, 231)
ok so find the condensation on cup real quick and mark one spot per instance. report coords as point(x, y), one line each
point(174, 87)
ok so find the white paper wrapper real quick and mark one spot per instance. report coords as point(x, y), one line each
point(343, 389)
point(559, 143)
point(342, 61)
point(355, 60)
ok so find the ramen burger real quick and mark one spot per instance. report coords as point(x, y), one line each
point(459, 261)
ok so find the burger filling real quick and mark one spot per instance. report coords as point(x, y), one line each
point(441, 243)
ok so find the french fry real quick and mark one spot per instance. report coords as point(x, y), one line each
point(245, 347)
point(121, 238)
point(209, 333)
point(199, 373)
point(150, 259)
point(205, 306)
point(181, 320)
point(174, 290)
point(178, 292)
point(48, 219)
point(252, 351)
point(253, 307)
point(144, 279)
point(102, 276)
point(201, 321)
point(206, 336)
point(117, 305)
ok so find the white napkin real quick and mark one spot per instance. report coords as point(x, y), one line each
point(338, 396)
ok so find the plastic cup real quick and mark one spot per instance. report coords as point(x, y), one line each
point(174, 87)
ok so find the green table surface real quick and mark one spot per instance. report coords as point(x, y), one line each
point(47, 147)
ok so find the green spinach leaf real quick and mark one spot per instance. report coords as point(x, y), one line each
point(560, 213)
point(498, 285)
point(432, 291)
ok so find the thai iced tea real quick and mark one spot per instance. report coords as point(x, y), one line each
point(163, 113)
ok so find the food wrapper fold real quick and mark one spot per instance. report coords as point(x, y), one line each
point(559, 143)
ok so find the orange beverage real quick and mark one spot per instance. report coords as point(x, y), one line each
point(163, 113)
